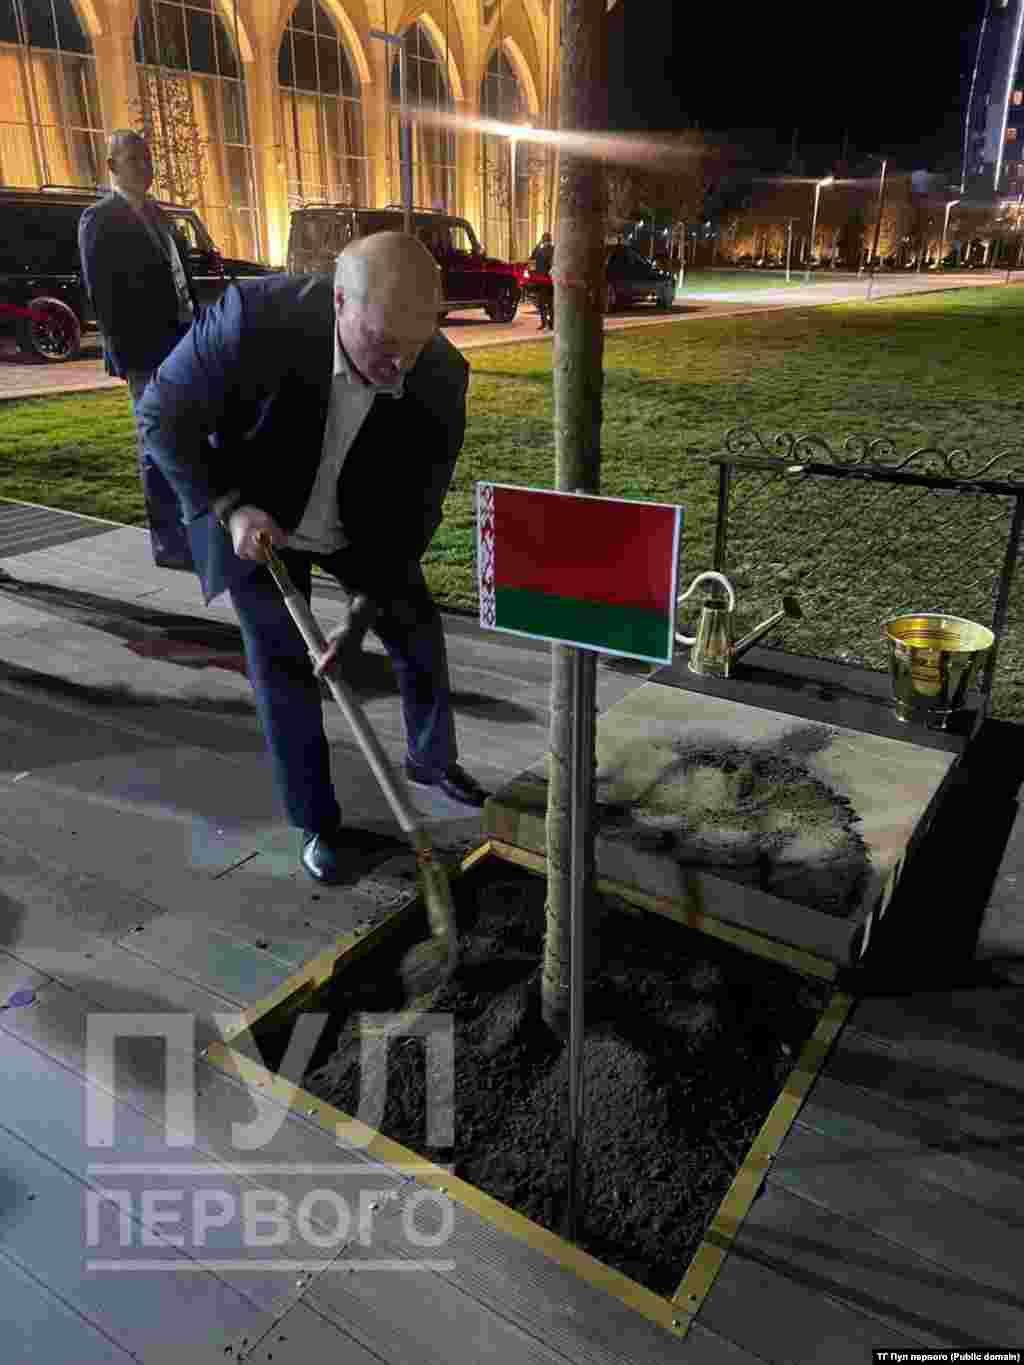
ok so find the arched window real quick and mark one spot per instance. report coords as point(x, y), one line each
point(321, 113)
point(433, 147)
point(192, 95)
point(51, 131)
point(506, 215)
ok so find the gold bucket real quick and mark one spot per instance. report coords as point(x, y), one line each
point(933, 660)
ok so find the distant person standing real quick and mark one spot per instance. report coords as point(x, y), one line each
point(542, 257)
point(145, 303)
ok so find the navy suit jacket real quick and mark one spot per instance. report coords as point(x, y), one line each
point(241, 404)
point(131, 286)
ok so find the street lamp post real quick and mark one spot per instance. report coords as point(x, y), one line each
point(513, 145)
point(789, 246)
point(878, 226)
point(404, 126)
point(945, 228)
point(1009, 253)
point(814, 224)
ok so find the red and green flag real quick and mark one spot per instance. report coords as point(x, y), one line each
point(595, 572)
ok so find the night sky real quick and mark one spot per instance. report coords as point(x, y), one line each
point(895, 80)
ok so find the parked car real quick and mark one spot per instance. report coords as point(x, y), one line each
point(42, 295)
point(629, 278)
point(470, 278)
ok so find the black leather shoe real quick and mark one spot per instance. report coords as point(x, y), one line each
point(321, 857)
point(456, 784)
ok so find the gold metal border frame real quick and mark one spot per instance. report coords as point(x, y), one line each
point(676, 1314)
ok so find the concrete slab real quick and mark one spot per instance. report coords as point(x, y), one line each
point(794, 830)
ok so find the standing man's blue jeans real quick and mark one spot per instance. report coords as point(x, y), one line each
point(289, 699)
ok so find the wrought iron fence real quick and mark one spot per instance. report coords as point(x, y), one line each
point(860, 533)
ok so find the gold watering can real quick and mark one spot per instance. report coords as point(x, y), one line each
point(713, 652)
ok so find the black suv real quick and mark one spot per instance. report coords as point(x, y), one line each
point(469, 278)
point(42, 295)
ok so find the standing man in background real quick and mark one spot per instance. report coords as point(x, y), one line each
point(543, 254)
point(144, 304)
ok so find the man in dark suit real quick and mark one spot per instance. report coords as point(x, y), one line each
point(542, 256)
point(144, 302)
point(334, 412)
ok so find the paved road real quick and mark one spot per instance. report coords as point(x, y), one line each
point(470, 330)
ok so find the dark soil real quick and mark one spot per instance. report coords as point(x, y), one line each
point(687, 1045)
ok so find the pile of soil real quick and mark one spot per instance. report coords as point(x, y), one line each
point(687, 1045)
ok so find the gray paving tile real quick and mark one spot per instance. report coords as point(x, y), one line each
point(43, 1233)
point(39, 1326)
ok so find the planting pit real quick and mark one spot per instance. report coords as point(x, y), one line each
point(692, 1048)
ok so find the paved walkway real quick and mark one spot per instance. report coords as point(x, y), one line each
point(145, 870)
point(473, 330)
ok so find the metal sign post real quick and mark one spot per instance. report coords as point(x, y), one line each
point(404, 125)
point(545, 570)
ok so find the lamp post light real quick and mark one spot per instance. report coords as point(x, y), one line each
point(945, 228)
point(814, 223)
point(404, 125)
point(878, 225)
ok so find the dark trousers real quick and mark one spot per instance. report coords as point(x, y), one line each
point(168, 539)
point(289, 699)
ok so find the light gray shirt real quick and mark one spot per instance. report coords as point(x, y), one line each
point(319, 530)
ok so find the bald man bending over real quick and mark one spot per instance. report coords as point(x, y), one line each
point(334, 412)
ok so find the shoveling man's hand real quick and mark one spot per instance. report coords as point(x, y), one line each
point(345, 644)
point(245, 524)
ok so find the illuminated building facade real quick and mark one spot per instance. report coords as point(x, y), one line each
point(993, 154)
point(255, 108)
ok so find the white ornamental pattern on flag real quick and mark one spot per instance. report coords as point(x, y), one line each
point(485, 552)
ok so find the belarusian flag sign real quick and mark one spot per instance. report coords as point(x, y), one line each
point(599, 573)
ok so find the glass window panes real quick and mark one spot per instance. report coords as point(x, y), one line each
point(304, 16)
point(170, 35)
point(226, 63)
point(328, 66)
point(53, 137)
point(200, 40)
point(321, 114)
point(508, 228)
point(303, 47)
point(433, 147)
point(195, 111)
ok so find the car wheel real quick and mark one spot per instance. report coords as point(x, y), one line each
point(666, 297)
point(611, 298)
point(54, 336)
point(504, 306)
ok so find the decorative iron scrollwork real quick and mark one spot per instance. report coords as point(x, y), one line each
point(878, 452)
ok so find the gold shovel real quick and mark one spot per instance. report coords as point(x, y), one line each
point(427, 965)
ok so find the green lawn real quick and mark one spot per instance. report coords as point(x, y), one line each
point(696, 282)
point(937, 369)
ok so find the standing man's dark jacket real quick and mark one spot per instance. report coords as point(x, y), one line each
point(255, 374)
point(130, 283)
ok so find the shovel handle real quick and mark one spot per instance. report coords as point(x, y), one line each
point(380, 765)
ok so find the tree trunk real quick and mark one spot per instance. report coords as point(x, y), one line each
point(578, 377)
